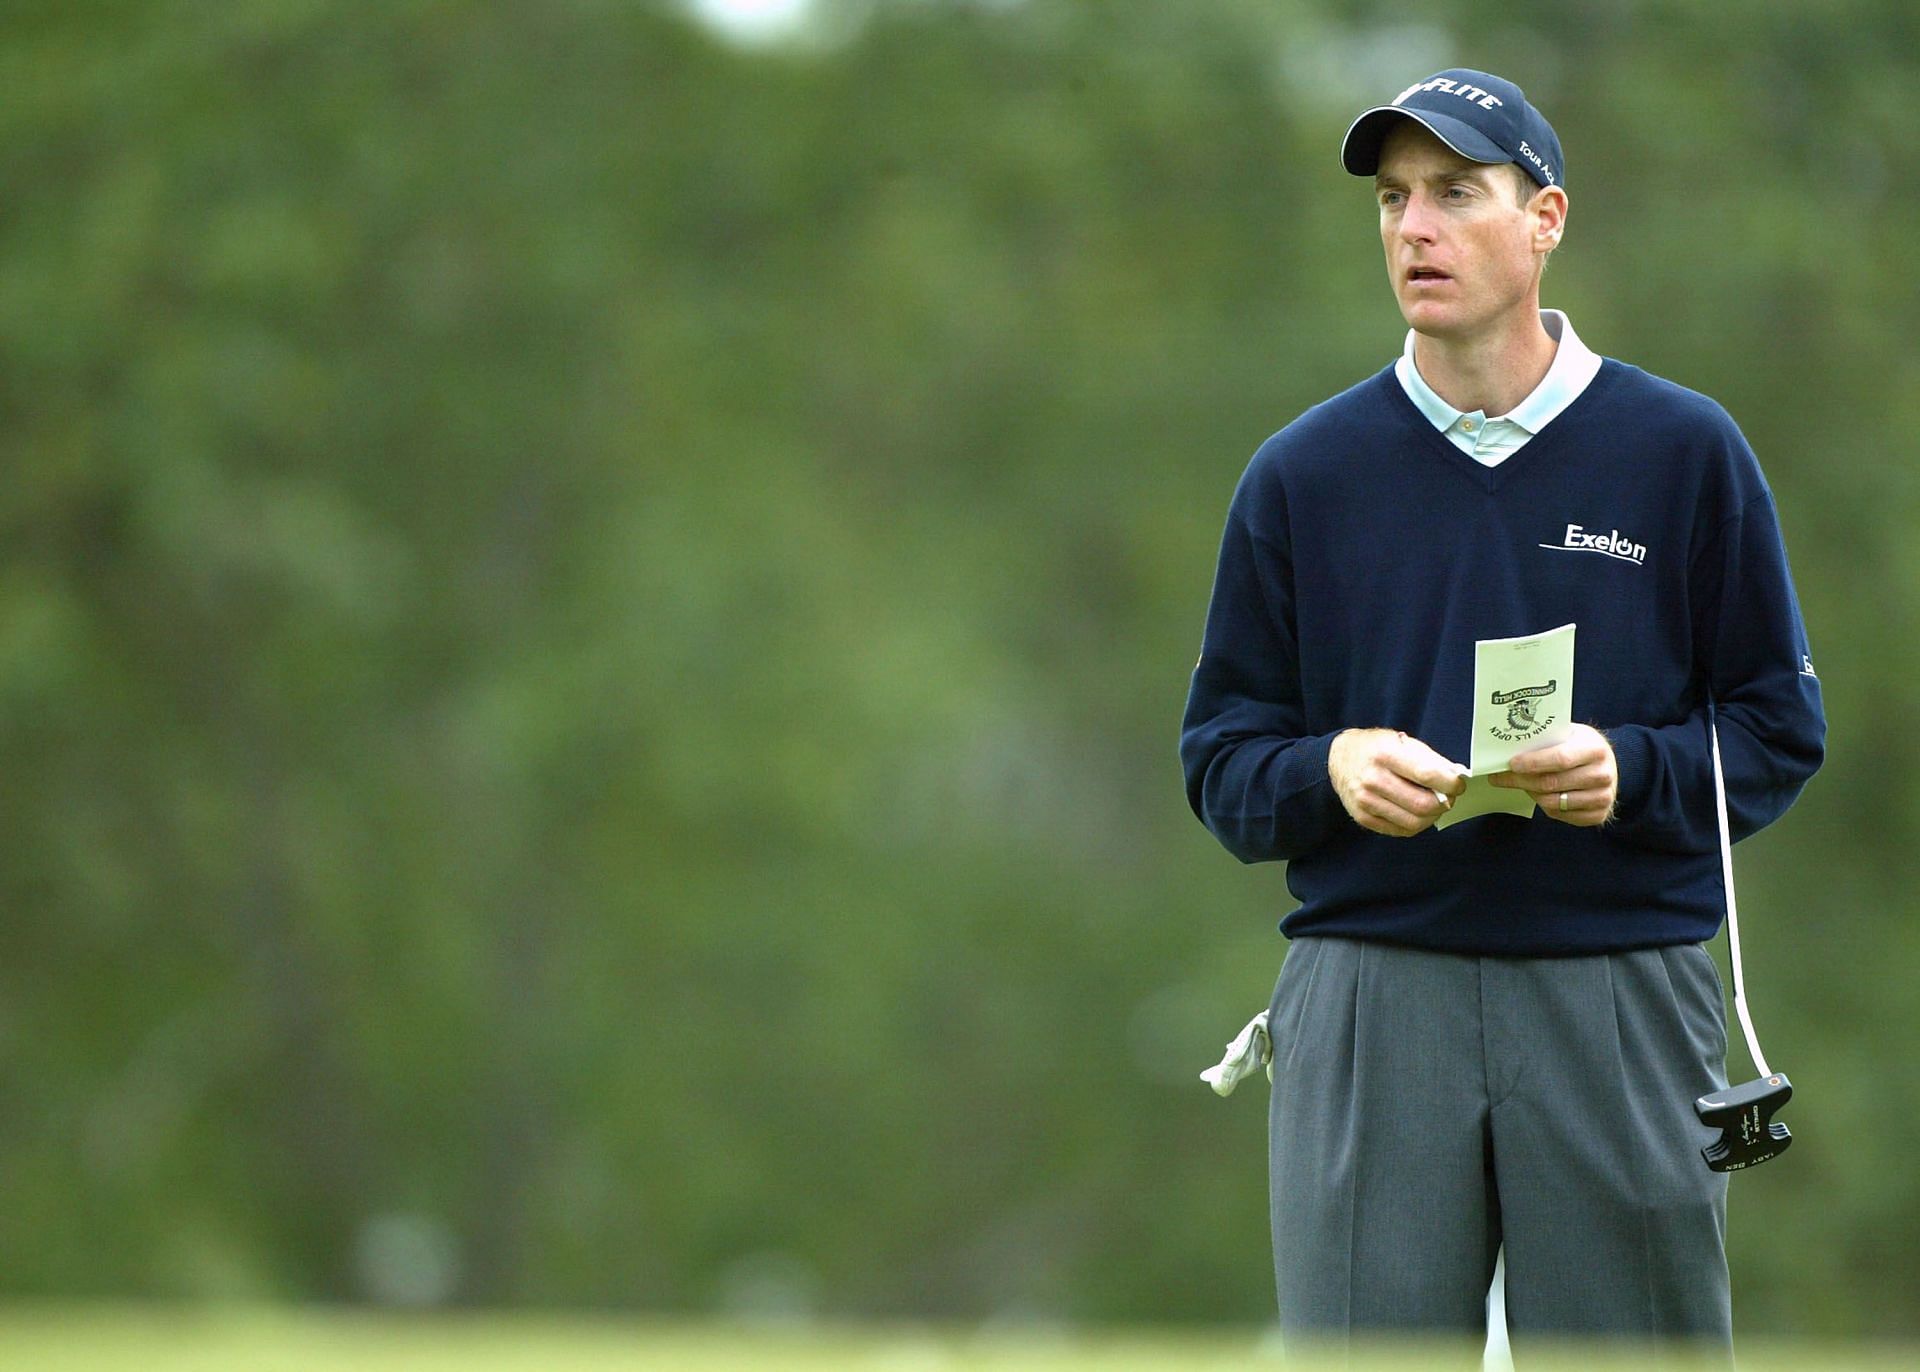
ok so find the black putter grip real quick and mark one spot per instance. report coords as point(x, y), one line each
point(1749, 1135)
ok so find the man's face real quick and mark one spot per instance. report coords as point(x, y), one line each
point(1462, 252)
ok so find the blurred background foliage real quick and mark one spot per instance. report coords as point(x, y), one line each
point(594, 606)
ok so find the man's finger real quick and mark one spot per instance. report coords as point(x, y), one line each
point(1584, 808)
point(1391, 818)
point(1558, 758)
point(1584, 744)
point(1404, 798)
point(1408, 804)
point(1587, 778)
point(1425, 768)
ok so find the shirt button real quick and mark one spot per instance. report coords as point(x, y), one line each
point(1467, 424)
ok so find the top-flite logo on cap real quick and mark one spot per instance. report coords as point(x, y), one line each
point(1464, 91)
point(1484, 118)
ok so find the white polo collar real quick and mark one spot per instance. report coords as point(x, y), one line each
point(1573, 368)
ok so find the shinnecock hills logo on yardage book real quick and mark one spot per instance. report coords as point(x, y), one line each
point(1523, 718)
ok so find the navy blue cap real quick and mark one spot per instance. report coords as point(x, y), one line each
point(1478, 115)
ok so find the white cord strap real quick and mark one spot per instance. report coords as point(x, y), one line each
point(1733, 912)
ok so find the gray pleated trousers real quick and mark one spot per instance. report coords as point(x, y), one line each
point(1428, 1106)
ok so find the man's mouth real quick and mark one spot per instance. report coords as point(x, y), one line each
point(1416, 275)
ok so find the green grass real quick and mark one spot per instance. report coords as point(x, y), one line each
point(165, 1340)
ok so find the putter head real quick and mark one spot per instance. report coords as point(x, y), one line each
point(1744, 1117)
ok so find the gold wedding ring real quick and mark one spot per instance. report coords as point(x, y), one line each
point(1563, 802)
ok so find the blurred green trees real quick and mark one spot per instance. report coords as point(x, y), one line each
point(592, 626)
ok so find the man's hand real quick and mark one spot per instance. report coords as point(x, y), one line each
point(1575, 781)
point(1388, 781)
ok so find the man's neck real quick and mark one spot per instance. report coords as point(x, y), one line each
point(1491, 374)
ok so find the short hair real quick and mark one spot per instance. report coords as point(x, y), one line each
point(1524, 186)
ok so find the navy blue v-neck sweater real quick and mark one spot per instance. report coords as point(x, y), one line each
point(1364, 555)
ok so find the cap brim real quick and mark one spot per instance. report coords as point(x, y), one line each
point(1360, 152)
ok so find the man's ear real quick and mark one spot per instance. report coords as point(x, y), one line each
point(1549, 210)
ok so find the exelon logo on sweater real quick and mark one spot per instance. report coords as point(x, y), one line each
point(1608, 544)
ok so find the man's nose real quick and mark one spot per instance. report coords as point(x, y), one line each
point(1418, 219)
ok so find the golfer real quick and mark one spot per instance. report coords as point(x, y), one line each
point(1494, 1033)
